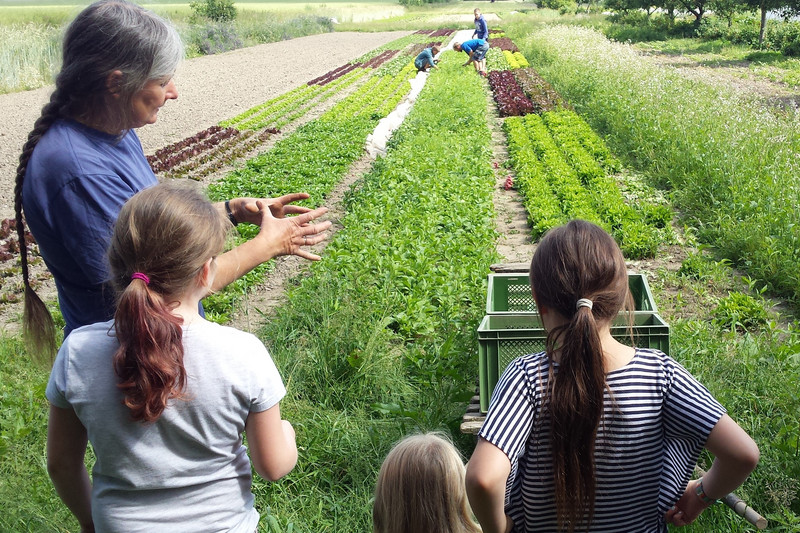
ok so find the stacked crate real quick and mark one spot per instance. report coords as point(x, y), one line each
point(512, 326)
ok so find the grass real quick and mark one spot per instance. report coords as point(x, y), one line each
point(27, 495)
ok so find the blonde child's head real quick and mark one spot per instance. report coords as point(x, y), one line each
point(477, 12)
point(420, 488)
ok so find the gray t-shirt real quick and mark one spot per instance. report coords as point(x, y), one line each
point(187, 471)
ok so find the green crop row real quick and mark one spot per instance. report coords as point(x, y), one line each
point(379, 340)
point(380, 95)
point(560, 177)
point(312, 159)
point(515, 59)
point(544, 211)
point(284, 111)
point(496, 60)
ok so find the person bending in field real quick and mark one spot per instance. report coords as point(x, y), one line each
point(427, 59)
point(420, 488)
point(163, 395)
point(481, 29)
point(591, 434)
point(476, 49)
point(83, 160)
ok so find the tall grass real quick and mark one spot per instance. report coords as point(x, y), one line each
point(731, 163)
point(29, 56)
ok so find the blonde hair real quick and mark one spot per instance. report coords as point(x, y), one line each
point(420, 488)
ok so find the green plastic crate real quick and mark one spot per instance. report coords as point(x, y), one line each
point(503, 338)
point(511, 294)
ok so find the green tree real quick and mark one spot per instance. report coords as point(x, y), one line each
point(727, 9)
point(216, 10)
point(785, 7)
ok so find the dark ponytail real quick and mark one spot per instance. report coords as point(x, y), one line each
point(162, 239)
point(574, 262)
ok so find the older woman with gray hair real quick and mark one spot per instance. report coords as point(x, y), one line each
point(83, 160)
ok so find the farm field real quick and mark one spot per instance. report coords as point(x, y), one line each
point(378, 339)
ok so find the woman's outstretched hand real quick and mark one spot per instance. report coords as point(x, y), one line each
point(289, 235)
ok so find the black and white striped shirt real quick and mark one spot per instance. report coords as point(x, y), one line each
point(647, 444)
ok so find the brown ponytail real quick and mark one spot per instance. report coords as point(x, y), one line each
point(164, 235)
point(578, 260)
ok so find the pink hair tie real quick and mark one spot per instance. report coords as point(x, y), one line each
point(143, 277)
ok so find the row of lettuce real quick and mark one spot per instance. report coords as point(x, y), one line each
point(563, 169)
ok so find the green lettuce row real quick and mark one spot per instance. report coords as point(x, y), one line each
point(586, 136)
point(574, 198)
point(380, 95)
point(637, 238)
point(299, 93)
point(287, 112)
point(540, 202)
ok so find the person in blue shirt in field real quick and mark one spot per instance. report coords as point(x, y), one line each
point(481, 29)
point(476, 50)
point(426, 59)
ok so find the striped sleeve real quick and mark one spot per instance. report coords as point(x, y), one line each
point(690, 412)
point(512, 410)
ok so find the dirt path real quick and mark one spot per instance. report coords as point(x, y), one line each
point(732, 75)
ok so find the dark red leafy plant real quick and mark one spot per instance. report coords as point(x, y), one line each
point(511, 101)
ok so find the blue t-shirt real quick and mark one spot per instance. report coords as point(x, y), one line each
point(481, 30)
point(472, 44)
point(75, 184)
point(424, 58)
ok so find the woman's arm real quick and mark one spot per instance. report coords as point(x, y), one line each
point(735, 456)
point(272, 445)
point(66, 448)
point(487, 473)
point(278, 236)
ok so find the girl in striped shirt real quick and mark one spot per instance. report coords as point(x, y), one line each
point(594, 435)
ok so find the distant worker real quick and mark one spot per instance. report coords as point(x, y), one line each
point(427, 59)
point(476, 50)
point(481, 29)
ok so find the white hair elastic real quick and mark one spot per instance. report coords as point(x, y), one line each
point(584, 302)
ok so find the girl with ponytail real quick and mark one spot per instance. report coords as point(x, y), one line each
point(83, 160)
point(164, 396)
point(591, 434)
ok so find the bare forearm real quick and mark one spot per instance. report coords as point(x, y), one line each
point(235, 263)
point(75, 490)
